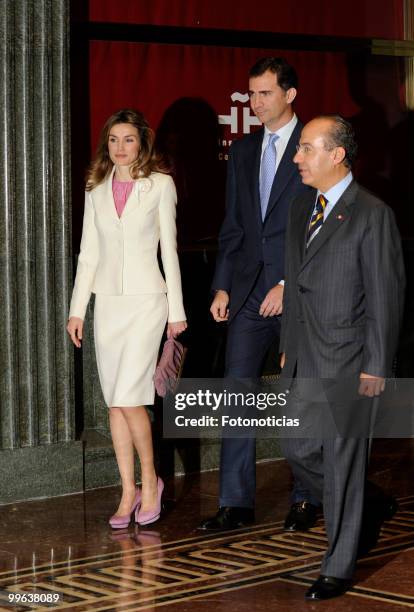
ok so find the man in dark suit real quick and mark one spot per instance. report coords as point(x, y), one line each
point(262, 180)
point(343, 303)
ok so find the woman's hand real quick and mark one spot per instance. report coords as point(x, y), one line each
point(175, 329)
point(75, 330)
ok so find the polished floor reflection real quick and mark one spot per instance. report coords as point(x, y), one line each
point(63, 546)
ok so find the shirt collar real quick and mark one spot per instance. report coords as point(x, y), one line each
point(334, 193)
point(285, 132)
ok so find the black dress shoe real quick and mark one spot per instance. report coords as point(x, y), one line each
point(301, 517)
point(375, 513)
point(327, 587)
point(228, 517)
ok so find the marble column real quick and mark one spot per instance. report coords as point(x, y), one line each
point(409, 61)
point(38, 452)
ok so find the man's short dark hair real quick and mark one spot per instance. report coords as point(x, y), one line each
point(286, 74)
point(341, 134)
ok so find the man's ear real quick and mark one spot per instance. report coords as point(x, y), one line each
point(339, 155)
point(291, 95)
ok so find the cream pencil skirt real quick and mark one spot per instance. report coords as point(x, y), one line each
point(128, 331)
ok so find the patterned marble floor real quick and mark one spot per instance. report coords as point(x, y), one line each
point(60, 554)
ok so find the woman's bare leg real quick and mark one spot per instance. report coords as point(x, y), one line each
point(124, 452)
point(139, 425)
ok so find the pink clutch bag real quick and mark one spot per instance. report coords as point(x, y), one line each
point(169, 366)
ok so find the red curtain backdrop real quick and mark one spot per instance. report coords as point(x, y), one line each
point(372, 18)
point(183, 90)
point(151, 77)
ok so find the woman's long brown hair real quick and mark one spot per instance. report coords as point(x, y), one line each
point(147, 161)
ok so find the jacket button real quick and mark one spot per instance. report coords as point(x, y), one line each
point(263, 240)
point(302, 290)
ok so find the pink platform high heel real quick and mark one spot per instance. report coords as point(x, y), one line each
point(150, 516)
point(120, 522)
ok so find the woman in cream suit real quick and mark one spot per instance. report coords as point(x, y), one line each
point(129, 209)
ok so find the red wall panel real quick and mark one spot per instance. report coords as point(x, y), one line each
point(372, 18)
point(183, 89)
point(151, 77)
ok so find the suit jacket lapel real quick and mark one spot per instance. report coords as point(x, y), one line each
point(132, 201)
point(252, 165)
point(285, 169)
point(108, 204)
point(301, 213)
point(109, 201)
point(336, 218)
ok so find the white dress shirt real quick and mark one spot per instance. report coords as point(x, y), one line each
point(284, 134)
point(332, 196)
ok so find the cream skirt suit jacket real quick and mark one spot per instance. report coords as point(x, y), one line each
point(118, 262)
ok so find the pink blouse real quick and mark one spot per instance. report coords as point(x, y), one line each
point(121, 191)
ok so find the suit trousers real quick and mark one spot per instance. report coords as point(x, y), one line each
point(249, 338)
point(334, 470)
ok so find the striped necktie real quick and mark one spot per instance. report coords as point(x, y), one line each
point(317, 218)
point(267, 172)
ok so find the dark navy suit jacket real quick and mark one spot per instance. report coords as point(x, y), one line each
point(246, 243)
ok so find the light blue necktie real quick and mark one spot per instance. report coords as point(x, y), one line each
point(267, 172)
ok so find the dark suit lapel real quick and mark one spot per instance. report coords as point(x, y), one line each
point(339, 215)
point(252, 169)
point(301, 213)
point(285, 170)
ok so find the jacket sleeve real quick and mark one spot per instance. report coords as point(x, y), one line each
point(231, 233)
point(286, 288)
point(169, 256)
point(87, 262)
point(384, 285)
